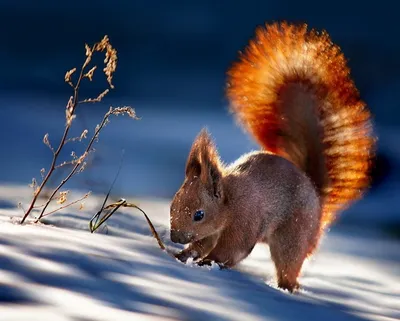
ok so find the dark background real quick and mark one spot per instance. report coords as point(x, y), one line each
point(172, 61)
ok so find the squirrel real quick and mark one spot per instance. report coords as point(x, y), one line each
point(291, 91)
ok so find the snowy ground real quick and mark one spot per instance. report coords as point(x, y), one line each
point(59, 271)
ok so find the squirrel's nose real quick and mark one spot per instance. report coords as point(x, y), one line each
point(180, 237)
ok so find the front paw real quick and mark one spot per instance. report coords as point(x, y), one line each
point(184, 255)
point(205, 262)
point(209, 262)
point(181, 256)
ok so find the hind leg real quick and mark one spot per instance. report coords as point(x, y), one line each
point(287, 269)
point(290, 245)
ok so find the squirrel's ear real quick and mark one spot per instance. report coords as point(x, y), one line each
point(193, 167)
point(212, 179)
point(204, 162)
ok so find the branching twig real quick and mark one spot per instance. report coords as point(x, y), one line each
point(79, 163)
point(97, 99)
point(65, 163)
point(115, 111)
point(78, 138)
point(47, 142)
point(65, 206)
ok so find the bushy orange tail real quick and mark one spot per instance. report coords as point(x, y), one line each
point(292, 91)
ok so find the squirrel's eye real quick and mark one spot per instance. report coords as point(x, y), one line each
point(198, 216)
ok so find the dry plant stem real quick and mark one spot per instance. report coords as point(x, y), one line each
point(77, 164)
point(152, 228)
point(124, 203)
point(57, 152)
point(65, 206)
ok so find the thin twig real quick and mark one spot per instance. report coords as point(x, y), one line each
point(65, 206)
point(74, 169)
point(97, 99)
point(57, 152)
point(47, 142)
point(65, 164)
point(77, 138)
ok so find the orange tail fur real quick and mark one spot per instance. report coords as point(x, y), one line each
point(291, 90)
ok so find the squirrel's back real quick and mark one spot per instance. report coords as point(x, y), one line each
point(278, 190)
point(292, 91)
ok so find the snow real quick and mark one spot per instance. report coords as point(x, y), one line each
point(58, 270)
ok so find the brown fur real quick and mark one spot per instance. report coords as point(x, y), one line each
point(290, 90)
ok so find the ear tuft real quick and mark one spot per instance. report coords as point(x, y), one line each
point(204, 161)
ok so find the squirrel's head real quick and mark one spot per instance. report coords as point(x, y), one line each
point(196, 207)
